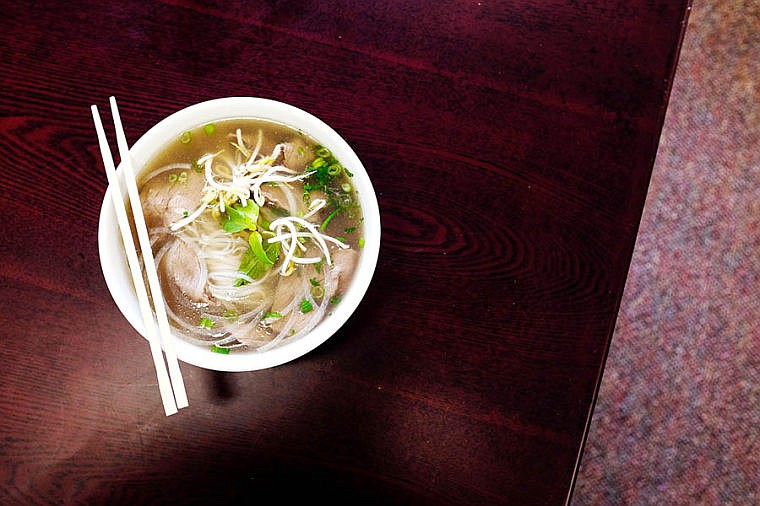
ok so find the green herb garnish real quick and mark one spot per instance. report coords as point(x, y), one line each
point(207, 323)
point(241, 218)
point(317, 290)
point(257, 262)
point(217, 349)
point(326, 175)
point(185, 138)
point(209, 129)
point(306, 306)
point(329, 219)
point(272, 314)
point(178, 178)
point(257, 246)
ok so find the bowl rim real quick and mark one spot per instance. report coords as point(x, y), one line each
point(113, 260)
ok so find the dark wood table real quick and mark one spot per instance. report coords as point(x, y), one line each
point(510, 144)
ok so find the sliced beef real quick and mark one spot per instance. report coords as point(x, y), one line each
point(274, 195)
point(297, 155)
point(344, 263)
point(286, 287)
point(182, 270)
point(165, 202)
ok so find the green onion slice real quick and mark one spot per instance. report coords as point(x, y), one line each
point(222, 351)
point(328, 219)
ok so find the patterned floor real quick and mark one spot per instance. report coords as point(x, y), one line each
point(678, 415)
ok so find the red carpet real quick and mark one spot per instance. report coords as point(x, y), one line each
point(678, 415)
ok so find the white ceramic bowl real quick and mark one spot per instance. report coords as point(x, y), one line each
point(113, 260)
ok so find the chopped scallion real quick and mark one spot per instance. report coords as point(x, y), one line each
point(185, 138)
point(361, 242)
point(217, 349)
point(209, 129)
point(328, 219)
point(206, 323)
point(272, 314)
point(306, 306)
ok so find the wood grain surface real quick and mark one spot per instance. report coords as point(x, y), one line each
point(510, 145)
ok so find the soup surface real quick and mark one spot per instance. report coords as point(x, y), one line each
point(256, 230)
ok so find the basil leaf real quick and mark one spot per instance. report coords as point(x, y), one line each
point(252, 264)
point(255, 240)
point(240, 218)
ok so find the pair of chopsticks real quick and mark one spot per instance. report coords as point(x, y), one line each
point(171, 385)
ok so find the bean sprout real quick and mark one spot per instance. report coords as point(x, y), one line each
point(229, 183)
point(291, 238)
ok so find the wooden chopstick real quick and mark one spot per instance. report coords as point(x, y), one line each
point(150, 265)
point(164, 382)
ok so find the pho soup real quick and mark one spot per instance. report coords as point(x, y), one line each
point(256, 230)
